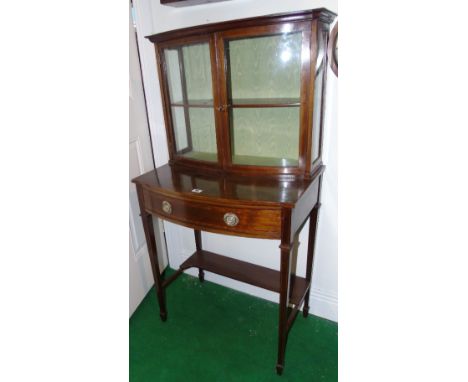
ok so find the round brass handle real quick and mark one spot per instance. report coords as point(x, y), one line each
point(231, 219)
point(167, 207)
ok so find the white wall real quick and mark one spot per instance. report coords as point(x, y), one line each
point(154, 18)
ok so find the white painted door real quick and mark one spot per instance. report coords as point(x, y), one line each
point(140, 161)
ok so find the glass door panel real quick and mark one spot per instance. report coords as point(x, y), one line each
point(197, 65)
point(189, 82)
point(264, 88)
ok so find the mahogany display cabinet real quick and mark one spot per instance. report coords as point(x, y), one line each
point(243, 105)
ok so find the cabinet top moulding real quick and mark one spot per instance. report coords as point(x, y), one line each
point(322, 14)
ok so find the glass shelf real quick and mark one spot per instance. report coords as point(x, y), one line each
point(194, 103)
point(210, 157)
point(263, 161)
point(245, 102)
point(266, 102)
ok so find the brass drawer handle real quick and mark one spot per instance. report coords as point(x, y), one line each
point(167, 207)
point(231, 219)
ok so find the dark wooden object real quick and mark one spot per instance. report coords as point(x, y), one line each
point(244, 200)
point(270, 208)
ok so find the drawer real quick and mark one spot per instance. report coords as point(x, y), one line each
point(249, 221)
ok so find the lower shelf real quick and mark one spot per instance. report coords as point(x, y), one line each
point(248, 273)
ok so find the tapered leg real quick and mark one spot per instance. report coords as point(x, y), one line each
point(147, 220)
point(285, 275)
point(313, 220)
point(198, 244)
point(283, 305)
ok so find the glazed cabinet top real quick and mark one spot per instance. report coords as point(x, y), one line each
point(246, 96)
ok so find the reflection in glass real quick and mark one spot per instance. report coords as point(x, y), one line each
point(265, 67)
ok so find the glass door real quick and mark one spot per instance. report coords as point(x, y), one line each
point(264, 68)
point(190, 92)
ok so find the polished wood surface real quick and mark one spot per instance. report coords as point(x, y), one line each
point(147, 221)
point(198, 246)
point(252, 221)
point(320, 13)
point(227, 189)
point(201, 201)
point(313, 223)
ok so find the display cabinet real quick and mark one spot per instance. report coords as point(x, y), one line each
point(243, 105)
point(246, 96)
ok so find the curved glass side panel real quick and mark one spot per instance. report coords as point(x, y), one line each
point(318, 94)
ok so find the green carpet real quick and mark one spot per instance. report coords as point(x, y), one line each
point(213, 333)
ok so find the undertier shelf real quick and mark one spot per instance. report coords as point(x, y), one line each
point(248, 273)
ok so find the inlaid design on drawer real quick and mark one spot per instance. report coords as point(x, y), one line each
point(250, 221)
